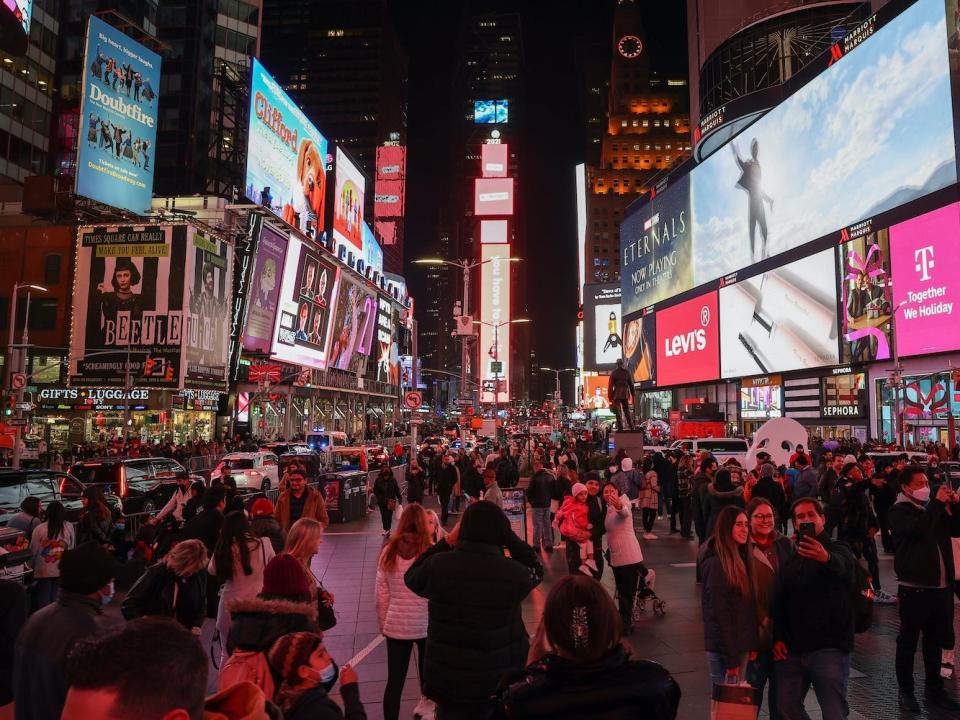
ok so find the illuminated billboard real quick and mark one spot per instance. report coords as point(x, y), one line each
point(489, 112)
point(494, 160)
point(866, 297)
point(871, 132)
point(926, 268)
point(210, 293)
point(595, 392)
point(493, 196)
point(385, 337)
point(287, 157)
point(267, 274)
point(306, 299)
point(602, 327)
point(352, 327)
point(760, 398)
point(494, 311)
point(348, 203)
point(780, 320)
point(372, 252)
point(656, 250)
point(494, 232)
point(116, 153)
point(15, 25)
point(390, 182)
point(688, 341)
point(640, 347)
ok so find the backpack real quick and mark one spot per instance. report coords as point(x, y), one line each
point(861, 600)
point(245, 666)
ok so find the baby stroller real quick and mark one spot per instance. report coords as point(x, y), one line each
point(648, 578)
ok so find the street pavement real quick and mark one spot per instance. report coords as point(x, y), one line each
point(346, 564)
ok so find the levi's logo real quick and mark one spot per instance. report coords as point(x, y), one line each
point(689, 342)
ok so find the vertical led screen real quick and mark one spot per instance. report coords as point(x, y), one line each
point(15, 25)
point(926, 268)
point(602, 327)
point(353, 325)
point(493, 160)
point(372, 252)
point(287, 157)
point(640, 347)
point(118, 119)
point(264, 297)
point(494, 311)
point(306, 301)
point(129, 294)
point(688, 341)
point(494, 232)
point(384, 341)
point(348, 203)
point(390, 182)
point(783, 319)
point(493, 196)
point(871, 132)
point(866, 294)
point(210, 277)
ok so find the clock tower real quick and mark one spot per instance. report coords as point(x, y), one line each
point(630, 74)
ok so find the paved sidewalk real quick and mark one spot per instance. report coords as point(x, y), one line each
point(347, 566)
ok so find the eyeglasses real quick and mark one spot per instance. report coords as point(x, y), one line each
point(757, 516)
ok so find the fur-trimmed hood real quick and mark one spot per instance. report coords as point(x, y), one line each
point(736, 492)
point(257, 622)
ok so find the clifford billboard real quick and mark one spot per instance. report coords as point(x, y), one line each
point(118, 119)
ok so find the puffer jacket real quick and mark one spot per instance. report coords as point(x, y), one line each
point(730, 623)
point(621, 538)
point(255, 623)
point(649, 496)
point(402, 614)
point(717, 500)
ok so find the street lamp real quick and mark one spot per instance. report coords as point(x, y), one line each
point(20, 365)
point(466, 266)
point(496, 354)
point(557, 374)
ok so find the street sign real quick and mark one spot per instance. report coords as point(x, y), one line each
point(18, 381)
point(463, 402)
point(412, 400)
point(25, 406)
point(17, 422)
point(496, 367)
point(416, 419)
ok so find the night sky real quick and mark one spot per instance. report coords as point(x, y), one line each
point(552, 137)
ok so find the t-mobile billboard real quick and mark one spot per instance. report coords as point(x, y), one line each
point(926, 266)
point(688, 341)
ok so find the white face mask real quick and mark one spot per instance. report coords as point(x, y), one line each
point(108, 598)
point(921, 495)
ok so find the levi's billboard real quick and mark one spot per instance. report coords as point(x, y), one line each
point(688, 341)
point(926, 266)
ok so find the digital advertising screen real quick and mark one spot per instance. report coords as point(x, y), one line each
point(210, 287)
point(287, 157)
point(595, 392)
point(640, 348)
point(15, 25)
point(493, 196)
point(656, 260)
point(494, 232)
point(486, 112)
point(761, 402)
point(390, 182)
point(871, 132)
point(348, 202)
point(129, 293)
point(372, 252)
point(385, 332)
point(494, 310)
point(926, 267)
point(266, 277)
point(353, 326)
point(306, 301)
point(116, 151)
point(866, 298)
point(602, 326)
point(688, 341)
point(494, 159)
point(784, 319)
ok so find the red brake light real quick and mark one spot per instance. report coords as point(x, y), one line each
point(63, 485)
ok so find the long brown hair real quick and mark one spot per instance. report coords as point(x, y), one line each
point(579, 617)
point(735, 561)
point(411, 527)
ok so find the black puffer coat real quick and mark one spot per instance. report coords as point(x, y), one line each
point(730, 622)
point(257, 622)
point(614, 688)
point(475, 633)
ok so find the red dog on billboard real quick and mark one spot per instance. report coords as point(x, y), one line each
point(312, 176)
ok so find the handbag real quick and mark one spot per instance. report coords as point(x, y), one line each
point(326, 617)
point(392, 504)
point(734, 702)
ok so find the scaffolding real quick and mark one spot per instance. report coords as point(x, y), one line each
point(228, 137)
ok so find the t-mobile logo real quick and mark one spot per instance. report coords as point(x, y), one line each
point(924, 261)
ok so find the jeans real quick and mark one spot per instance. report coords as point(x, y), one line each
point(398, 659)
point(686, 515)
point(386, 517)
point(827, 670)
point(929, 611)
point(718, 668)
point(761, 671)
point(542, 530)
point(649, 516)
point(47, 589)
point(867, 549)
point(626, 577)
point(444, 508)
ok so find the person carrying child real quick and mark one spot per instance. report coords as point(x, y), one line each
point(573, 522)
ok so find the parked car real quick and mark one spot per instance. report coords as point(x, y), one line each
point(30, 451)
point(143, 484)
point(377, 456)
point(721, 448)
point(287, 448)
point(48, 486)
point(252, 470)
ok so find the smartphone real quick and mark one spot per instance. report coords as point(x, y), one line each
point(805, 529)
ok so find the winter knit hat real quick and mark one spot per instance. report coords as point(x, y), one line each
point(261, 507)
point(87, 568)
point(577, 489)
point(284, 577)
point(290, 652)
point(626, 464)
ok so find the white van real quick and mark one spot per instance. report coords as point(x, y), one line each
point(721, 448)
point(322, 440)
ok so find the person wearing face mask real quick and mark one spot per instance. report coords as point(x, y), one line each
point(41, 649)
point(177, 502)
point(307, 674)
point(922, 528)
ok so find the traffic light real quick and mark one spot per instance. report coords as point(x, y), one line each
point(10, 406)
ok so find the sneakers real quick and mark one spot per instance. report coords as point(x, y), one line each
point(591, 563)
point(946, 664)
point(649, 536)
point(883, 598)
point(426, 709)
point(586, 571)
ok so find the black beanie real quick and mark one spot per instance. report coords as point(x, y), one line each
point(87, 568)
point(484, 522)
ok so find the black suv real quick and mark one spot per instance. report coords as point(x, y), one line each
point(143, 484)
point(47, 486)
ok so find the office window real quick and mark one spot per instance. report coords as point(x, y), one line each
point(51, 269)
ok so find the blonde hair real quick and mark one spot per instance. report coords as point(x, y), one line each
point(186, 558)
point(412, 526)
point(440, 534)
point(303, 538)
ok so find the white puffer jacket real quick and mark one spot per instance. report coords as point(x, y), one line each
point(402, 614)
point(621, 538)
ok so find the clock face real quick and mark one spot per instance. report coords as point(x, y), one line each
point(630, 46)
